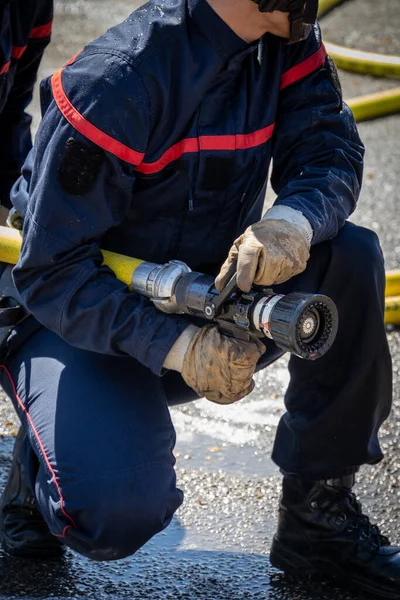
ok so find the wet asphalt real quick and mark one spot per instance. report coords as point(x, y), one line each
point(217, 545)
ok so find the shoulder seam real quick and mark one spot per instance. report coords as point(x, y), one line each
point(122, 56)
point(88, 129)
point(125, 58)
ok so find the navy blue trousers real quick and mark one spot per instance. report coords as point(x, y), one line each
point(99, 455)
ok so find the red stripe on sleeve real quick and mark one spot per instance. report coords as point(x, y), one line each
point(72, 59)
point(208, 142)
point(17, 51)
point(90, 131)
point(42, 31)
point(307, 66)
point(240, 141)
point(5, 68)
point(173, 153)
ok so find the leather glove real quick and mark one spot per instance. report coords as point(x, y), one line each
point(267, 253)
point(219, 367)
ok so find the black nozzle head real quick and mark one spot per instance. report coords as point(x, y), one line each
point(304, 324)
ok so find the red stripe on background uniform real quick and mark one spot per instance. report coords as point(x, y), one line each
point(42, 31)
point(90, 131)
point(307, 66)
point(17, 51)
point(239, 141)
point(5, 67)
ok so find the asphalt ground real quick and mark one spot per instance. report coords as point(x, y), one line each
point(217, 546)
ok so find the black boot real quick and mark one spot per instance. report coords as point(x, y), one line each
point(322, 530)
point(23, 531)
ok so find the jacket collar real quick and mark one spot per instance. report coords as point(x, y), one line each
point(215, 30)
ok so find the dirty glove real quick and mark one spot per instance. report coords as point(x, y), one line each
point(219, 367)
point(270, 251)
point(215, 366)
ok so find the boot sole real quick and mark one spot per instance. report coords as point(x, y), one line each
point(284, 559)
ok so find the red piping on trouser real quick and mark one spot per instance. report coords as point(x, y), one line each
point(307, 66)
point(39, 441)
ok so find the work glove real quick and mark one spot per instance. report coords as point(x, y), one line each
point(215, 366)
point(268, 252)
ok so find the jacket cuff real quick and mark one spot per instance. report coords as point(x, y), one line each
point(296, 218)
point(175, 357)
point(154, 348)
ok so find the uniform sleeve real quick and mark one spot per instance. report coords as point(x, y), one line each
point(77, 183)
point(317, 152)
point(15, 122)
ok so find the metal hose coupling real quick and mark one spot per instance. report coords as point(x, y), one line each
point(158, 282)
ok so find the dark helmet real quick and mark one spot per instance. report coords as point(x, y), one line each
point(303, 14)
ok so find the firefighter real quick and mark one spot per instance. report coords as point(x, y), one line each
point(25, 30)
point(156, 142)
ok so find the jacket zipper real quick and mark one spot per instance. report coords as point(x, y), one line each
point(191, 203)
point(246, 206)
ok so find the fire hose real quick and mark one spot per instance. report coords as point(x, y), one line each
point(378, 65)
point(370, 107)
point(302, 324)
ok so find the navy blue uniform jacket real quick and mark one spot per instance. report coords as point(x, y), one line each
point(156, 142)
point(25, 28)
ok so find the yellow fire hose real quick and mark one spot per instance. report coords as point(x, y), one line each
point(370, 63)
point(370, 107)
point(357, 61)
point(376, 105)
point(393, 283)
point(124, 267)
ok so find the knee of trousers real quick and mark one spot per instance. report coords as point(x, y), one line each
point(358, 255)
point(115, 514)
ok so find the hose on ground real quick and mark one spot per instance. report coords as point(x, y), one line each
point(356, 61)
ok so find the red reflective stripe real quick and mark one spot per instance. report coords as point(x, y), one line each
point(307, 66)
point(43, 450)
point(208, 142)
point(42, 31)
point(173, 153)
point(71, 60)
point(240, 141)
point(86, 128)
point(5, 68)
point(17, 51)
